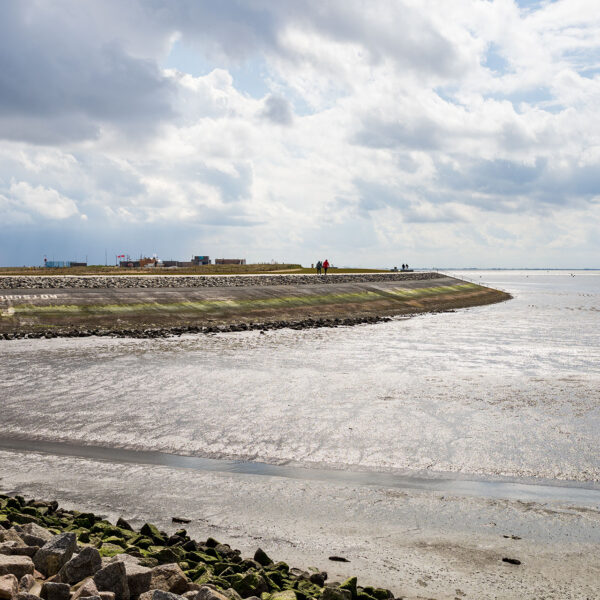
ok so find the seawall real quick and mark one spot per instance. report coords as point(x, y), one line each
point(157, 305)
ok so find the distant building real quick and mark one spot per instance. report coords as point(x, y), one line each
point(230, 261)
point(60, 264)
point(201, 260)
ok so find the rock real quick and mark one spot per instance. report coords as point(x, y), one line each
point(207, 593)
point(159, 595)
point(138, 577)
point(261, 557)
point(350, 585)
point(27, 596)
point(318, 578)
point(11, 535)
point(16, 565)
point(232, 594)
point(251, 584)
point(285, 595)
point(34, 535)
point(333, 593)
point(86, 589)
point(54, 554)
point(106, 595)
point(113, 578)
point(26, 583)
point(82, 565)
point(9, 587)
point(169, 578)
point(123, 524)
point(512, 561)
point(338, 559)
point(55, 591)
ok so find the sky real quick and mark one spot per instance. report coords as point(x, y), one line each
point(368, 132)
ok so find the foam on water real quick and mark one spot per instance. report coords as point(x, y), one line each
point(509, 389)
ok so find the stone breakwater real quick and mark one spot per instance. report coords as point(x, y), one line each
point(192, 281)
point(163, 332)
point(48, 553)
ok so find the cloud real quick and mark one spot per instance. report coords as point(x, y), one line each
point(277, 110)
point(36, 202)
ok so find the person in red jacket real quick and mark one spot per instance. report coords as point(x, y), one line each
point(325, 266)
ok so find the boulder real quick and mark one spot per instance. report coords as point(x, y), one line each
point(334, 593)
point(16, 565)
point(82, 565)
point(169, 578)
point(113, 578)
point(27, 596)
point(207, 593)
point(138, 577)
point(17, 549)
point(11, 535)
point(34, 535)
point(54, 554)
point(55, 591)
point(159, 595)
point(261, 557)
point(106, 595)
point(86, 589)
point(26, 583)
point(9, 587)
point(251, 584)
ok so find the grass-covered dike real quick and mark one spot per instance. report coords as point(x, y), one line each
point(56, 554)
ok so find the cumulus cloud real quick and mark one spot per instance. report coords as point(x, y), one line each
point(29, 201)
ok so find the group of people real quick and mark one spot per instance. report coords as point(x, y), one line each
point(322, 266)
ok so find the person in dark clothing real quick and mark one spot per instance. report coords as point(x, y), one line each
point(319, 266)
point(325, 266)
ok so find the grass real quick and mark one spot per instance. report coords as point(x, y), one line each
point(255, 269)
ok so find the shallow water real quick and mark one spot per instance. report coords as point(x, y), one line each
point(510, 389)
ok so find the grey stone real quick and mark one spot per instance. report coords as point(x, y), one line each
point(113, 578)
point(55, 591)
point(169, 578)
point(27, 596)
point(82, 565)
point(16, 565)
point(26, 583)
point(159, 595)
point(138, 577)
point(232, 594)
point(9, 587)
point(35, 535)
point(85, 589)
point(106, 595)
point(11, 535)
point(207, 593)
point(54, 554)
point(17, 549)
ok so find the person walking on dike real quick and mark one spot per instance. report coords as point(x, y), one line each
point(319, 266)
point(325, 266)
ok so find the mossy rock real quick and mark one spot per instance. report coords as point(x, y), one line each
point(285, 595)
point(84, 537)
point(350, 584)
point(152, 531)
point(251, 584)
point(205, 577)
point(109, 550)
point(308, 588)
point(379, 593)
point(30, 510)
point(146, 561)
point(86, 520)
point(212, 543)
point(219, 567)
point(276, 576)
point(22, 519)
point(365, 596)
point(141, 542)
point(5, 522)
point(165, 554)
point(200, 557)
point(13, 503)
point(280, 566)
point(113, 539)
